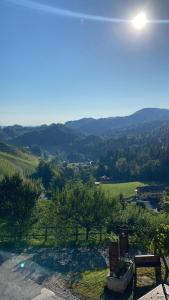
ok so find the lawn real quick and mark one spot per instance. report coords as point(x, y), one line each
point(91, 285)
point(127, 188)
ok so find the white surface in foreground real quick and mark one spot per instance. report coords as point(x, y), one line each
point(15, 284)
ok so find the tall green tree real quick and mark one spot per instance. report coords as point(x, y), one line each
point(44, 172)
point(18, 198)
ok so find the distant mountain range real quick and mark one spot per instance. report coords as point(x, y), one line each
point(145, 118)
point(85, 139)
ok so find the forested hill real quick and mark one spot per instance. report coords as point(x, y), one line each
point(107, 126)
point(52, 137)
point(11, 132)
point(137, 157)
point(141, 131)
point(56, 139)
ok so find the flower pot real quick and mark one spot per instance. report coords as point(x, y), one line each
point(119, 284)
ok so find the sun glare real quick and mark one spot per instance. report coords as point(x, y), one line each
point(139, 21)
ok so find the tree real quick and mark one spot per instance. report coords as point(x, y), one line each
point(162, 239)
point(122, 200)
point(36, 150)
point(123, 168)
point(57, 184)
point(44, 172)
point(85, 206)
point(165, 203)
point(18, 198)
point(141, 204)
point(94, 209)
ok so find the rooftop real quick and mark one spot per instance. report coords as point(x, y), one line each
point(150, 188)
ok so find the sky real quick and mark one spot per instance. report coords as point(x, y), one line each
point(62, 60)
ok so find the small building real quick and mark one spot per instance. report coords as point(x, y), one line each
point(150, 192)
point(104, 179)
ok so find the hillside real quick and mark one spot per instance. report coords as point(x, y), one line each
point(137, 157)
point(13, 160)
point(86, 139)
point(49, 137)
point(10, 132)
point(108, 126)
point(58, 139)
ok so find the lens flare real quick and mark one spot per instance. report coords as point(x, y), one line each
point(139, 21)
point(22, 265)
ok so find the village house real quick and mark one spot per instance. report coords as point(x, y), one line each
point(104, 179)
point(150, 192)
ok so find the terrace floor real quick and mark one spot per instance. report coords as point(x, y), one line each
point(23, 279)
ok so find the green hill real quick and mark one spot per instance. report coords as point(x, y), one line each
point(13, 160)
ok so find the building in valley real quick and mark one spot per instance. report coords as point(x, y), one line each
point(150, 192)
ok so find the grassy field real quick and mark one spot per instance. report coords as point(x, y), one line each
point(127, 188)
point(19, 162)
point(91, 285)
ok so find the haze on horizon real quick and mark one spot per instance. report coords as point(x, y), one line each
point(55, 68)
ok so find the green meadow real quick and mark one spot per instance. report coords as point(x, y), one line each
point(127, 188)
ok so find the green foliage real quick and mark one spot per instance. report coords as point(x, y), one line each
point(162, 239)
point(36, 150)
point(146, 160)
point(83, 205)
point(44, 172)
point(141, 204)
point(45, 213)
point(77, 209)
point(17, 200)
point(54, 177)
point(142, 223)
point(165, 203)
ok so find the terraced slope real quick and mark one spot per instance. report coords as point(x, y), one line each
point(13, 160)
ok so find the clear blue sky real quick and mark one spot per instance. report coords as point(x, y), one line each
point(55, 67)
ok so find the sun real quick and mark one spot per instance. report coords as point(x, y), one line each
point(139, 21)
